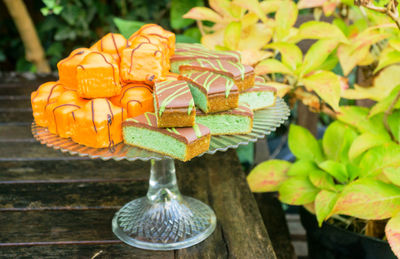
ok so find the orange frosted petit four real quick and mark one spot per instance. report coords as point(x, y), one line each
point(113, 44)
point(67, 67)
point(98, 76)
point(136, 98)
point(144, 62)
point(59, 113)
point(45, 94)
point(98, 124)
point(158, 31)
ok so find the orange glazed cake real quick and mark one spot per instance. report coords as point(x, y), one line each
point(144, 62)
point(59, 113)
point(136, 98)
point(45, 94)
point(98, 124)
point(67, 68)
point(157, 31)
point(113, 44)
point(98, 76)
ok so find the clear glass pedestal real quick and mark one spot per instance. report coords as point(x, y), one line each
point(163, 219)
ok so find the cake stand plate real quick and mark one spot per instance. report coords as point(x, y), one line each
point(164, 219)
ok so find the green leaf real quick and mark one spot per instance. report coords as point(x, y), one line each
point(324, 204)
point(127, 28)
point(57, 9)
point(358, 118)
point(269, 66)
point(342, 26)
point(203, 14)
point(379, 158)
point(320, 30)
point(232, 35)
point(326, 84)
point(302, 168)
point(394, 124)
point(384, 83)
point(270, 6)
point(368, 199)
point(392, 231)
point(337, 140)
point(385, 103)
point(285, 18)
point(45, 11)
point(254, 37)
point(253, 6)
point(353, 171)
point(336, 169)
point(291, 54)
point(267, 176)
point(303, 144)
point(297, 191)
point(223, 7)
point(364, 142)
point(388, 57)
point(393, 174)
point(322, 180)
point(178, 9)
point(317, 54)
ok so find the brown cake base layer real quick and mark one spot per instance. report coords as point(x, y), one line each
point(174, 119)
point(245, 84)
point(198, 147)
point(220, 103)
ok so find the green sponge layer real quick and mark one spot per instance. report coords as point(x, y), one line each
point(176, 64)
point(200, 99)
point(221, 124)
point(154, 141)
point(257, 100)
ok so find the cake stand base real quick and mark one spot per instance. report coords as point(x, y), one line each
point(164, 219)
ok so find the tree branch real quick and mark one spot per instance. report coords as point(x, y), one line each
point(390, 10)
point(33, 48)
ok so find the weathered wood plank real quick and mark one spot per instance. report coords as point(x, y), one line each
point(79, 195)
point(15, 115)
point(16, 101)
point(274, 220)
point(93, 170)
point(83, 251)
point(15, 133)
point(236, 209)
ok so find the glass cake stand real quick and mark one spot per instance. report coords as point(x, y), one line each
point(164, 219)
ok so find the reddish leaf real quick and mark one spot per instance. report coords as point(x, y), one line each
point(267, 176)
point(203, 13)
point(392, 231)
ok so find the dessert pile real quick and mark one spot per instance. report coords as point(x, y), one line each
point(149, 93)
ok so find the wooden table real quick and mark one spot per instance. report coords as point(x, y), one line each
point(54, 205)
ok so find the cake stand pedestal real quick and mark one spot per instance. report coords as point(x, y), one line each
point(164, 219)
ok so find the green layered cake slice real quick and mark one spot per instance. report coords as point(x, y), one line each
point(173, 104)
point(179, 143)
point(235, 121)
point(187, 52)
point(260, 96)
point(242, 75)
point(212, 92)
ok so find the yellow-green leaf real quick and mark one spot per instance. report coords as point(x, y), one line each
point(383, 85)
point(336, 169)
point(321, 180)
point(317, 54)
point(395, 43)
point(254, 37)
point(368, 199)
point(291, 54)
point(249, 19)
point(270, 6)
point(379, 158)
point(364, 142)
point(320, 30)
point(267, 176)
point(269, 66)
point(303, 144)
point(213, 39)
point(285, 18)
point(392, 231)
point(281, 89)
point(302, 168)
point(384, 104)
point(393, 174)
point(388, 57)
point(253, 6)
point(304, 4)
point(324, 204)
point(348, 58)
point(297, 191)
point(253, 56)
point(327, 85)
point(232, 35)
point(223, 7)
point(203, 13)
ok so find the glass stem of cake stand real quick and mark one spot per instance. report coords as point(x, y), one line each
point(162, 184)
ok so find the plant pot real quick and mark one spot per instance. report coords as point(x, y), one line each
point(330, 242)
